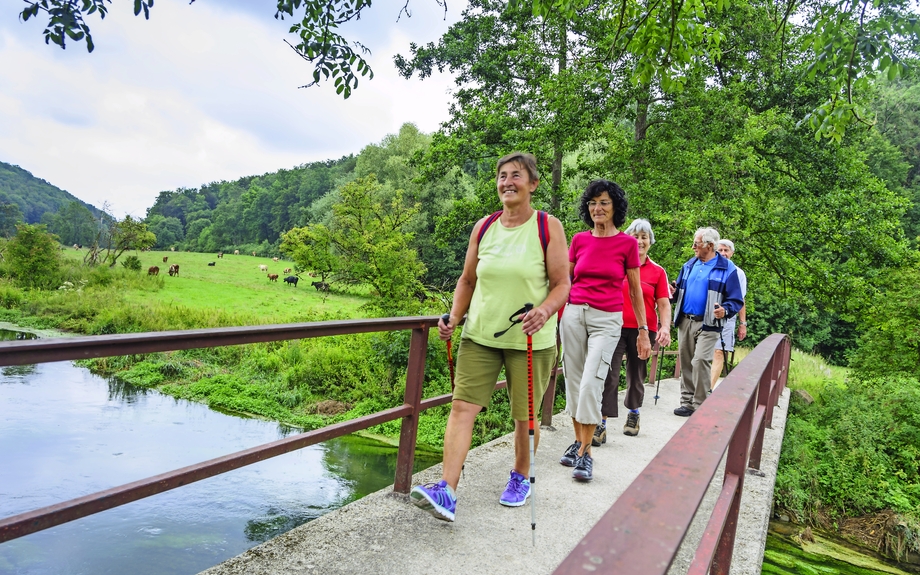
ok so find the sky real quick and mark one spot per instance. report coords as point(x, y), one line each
point(199, 93)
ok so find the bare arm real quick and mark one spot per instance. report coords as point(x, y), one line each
point(557, 269)
point(465, 285)
point(664, 315)
point(635, 295)
point(742, 318)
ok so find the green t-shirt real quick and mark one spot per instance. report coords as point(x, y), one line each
point(511, 272)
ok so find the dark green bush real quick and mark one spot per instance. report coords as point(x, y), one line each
point(132, 263)
point(853, 452)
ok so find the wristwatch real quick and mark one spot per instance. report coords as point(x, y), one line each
point(743, 322)
point(645, 327)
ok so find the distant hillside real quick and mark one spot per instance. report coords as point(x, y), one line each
point(34, 196)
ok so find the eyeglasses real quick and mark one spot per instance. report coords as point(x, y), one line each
point(699, 244)
point(604, 204)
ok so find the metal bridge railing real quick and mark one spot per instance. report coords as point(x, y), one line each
point(643, 530)
point(62, 349)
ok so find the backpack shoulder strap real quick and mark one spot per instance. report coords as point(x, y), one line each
point(543, 228)
point(486, 224)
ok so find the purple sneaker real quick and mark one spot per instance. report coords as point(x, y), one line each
point(517, 491)
point(435, 498)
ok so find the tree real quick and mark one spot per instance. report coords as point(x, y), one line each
point(73, 223)
point(366, 234)
point(117, 238)
point(34, 257)
point(10, 215)
point(168, 230)
point(848, 42)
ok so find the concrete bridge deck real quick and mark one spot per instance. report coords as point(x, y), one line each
point(384, 533)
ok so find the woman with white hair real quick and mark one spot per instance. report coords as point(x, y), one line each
point(656, 297)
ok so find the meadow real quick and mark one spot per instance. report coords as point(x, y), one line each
point(235, 282)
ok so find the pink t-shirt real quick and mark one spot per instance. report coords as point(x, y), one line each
point(600, 268)
point(654, 287)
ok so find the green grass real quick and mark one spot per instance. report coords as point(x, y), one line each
point(235, 283)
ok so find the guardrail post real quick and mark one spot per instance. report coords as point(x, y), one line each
point(415, 375)
point(736, 462)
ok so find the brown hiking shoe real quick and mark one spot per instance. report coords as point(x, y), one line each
point(632, 424)
point(600, 435)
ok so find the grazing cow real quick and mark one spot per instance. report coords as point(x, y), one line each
point(312, 274)
point(153, 271)
point(253, 254)
point(165, 258)
point(292, 280)
point(287, 270)
point(272, 277)
point(263, 268)
point(320, 286)
point(173, 270)
point(212, 263)
point(76, 247)
point(220, 255)
point(275, 260)
point(236, 252)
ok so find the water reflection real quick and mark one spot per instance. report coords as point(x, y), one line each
point(65, 433)
point(16, 370)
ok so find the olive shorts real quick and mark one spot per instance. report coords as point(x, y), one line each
point(479, 366)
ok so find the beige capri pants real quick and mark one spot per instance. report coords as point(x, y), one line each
point(589, 337)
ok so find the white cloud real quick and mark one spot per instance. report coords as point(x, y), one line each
point(196, 94)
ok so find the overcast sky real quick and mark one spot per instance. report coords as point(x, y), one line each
point(199, 93)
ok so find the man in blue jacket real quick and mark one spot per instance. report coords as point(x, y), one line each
point(707, 291)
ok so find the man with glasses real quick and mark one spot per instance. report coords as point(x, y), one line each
point(706, 292)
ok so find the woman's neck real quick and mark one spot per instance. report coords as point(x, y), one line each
point(642, 259)
point(514, 216)
point(604, 230)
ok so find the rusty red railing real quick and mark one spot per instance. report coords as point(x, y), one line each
point(62, 349)
point(643, 530)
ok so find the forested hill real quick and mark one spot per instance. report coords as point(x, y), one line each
point(34, 196)
point(249, 213)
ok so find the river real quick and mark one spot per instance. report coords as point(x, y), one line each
point(65, 433)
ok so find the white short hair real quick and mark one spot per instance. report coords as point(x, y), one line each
point(708, 235)
point(730, 244)
point(640, 225)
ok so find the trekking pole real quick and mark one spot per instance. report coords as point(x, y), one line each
point(533, 498)
point(450, 358)
point(658, 379)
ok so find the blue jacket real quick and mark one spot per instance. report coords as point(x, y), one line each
point(724, 289)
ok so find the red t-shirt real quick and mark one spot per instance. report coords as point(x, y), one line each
point(654, 287)
point(600, 266)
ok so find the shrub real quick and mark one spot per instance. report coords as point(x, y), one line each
point(132, 263)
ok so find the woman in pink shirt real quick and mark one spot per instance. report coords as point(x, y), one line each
point(599, 260)
point(656, 299)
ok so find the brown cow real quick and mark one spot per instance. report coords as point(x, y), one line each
point(153, 271)
point(173, 270)
point(272, 277)
point(287, 270)
point(165, 258)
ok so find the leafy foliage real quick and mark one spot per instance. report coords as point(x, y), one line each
point(33, 257)
point(853, 452)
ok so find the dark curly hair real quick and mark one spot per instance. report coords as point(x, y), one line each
point(596, 188)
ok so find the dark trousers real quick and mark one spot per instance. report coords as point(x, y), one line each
point(636, 373)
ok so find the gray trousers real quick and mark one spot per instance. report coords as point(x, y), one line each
point(696, 349)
